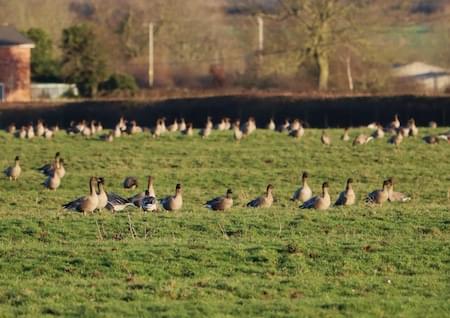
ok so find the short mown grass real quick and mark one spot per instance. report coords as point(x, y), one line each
point(280, 262)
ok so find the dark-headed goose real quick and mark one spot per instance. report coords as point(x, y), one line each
point(347, 197)
point(53, 180)
point(304, 193)
point(221, 203)
point(325, 138)
point(14, 172)
point(86, 204)
point(320, 202)
point(264, 201)
point(130, 183)
point(175, 202)
point(395, 196)
point(379, 196)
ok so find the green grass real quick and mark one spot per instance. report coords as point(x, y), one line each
point(281, 262)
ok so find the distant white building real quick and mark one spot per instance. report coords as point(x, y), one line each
point(432, 78)
point(52, 91)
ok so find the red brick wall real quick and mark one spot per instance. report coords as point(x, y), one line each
point(15, 73)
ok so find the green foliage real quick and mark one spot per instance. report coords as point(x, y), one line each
point(119, 82)
point(44, 68)
point(359, 261)
point(83, 63)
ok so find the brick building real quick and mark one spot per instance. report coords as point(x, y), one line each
point(15, 58)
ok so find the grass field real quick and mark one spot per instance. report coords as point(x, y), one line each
point(384, 261)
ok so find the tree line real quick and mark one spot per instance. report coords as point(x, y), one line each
point(326, 45)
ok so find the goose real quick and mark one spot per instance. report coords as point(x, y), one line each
point(432, 140)
point(320, 202)
point(117, 131)
point(249, 126)
point(130, 183)
point(11, 129)
point(93, 127)
point(347, 197)
point(59, 168)
point(13, 172)
point(396, 196)
point(345, 136)
point(227, 123)
point(221, 125)
point(150, 191)
point(22, 133)
point(48, 133)
point(99, 127)
point(174, 126)
point(122, 124)
point(221, 203)
point(379, 196)
point(149, 203)
point(237, 131)
point(325, 138)
point(413, 130)
point(304, 193)
point(445, 136)
point(134, 128)
point(362, 139)
point(297, 134)
point(40, 129)
point(86, 204)
point(30, 132)
point(109, 137)
point(378, 133)
point(86, 132)
point(271, 124)
point(295, 125)
point(264, 201)
point(182, 125)
point(53, 181)
point(188, 131)
point(49, 167)
point(395, 124)
point(173, 203)
point(158, 130)
point(205, 132)
point(396, 139)
point(102, 195)
point(209, 123)
point(284, 127)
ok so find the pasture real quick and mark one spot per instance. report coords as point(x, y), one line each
point(390, 260)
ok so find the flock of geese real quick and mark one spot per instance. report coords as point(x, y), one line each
point(294, 128)
point(99, 199)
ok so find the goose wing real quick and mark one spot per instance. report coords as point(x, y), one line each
point(309, 204)
point(255, 203)
point(341, 199)
point(149, 203)
point(399, 197)
point(371, 197)
point(116, 202)
point(74, 205)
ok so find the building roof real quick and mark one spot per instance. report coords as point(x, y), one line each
point(9, 36)
point(418, 69)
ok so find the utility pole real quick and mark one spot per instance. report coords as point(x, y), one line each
point(151, 60)
point(260, 37)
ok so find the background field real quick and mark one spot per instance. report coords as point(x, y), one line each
point(281, 262)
